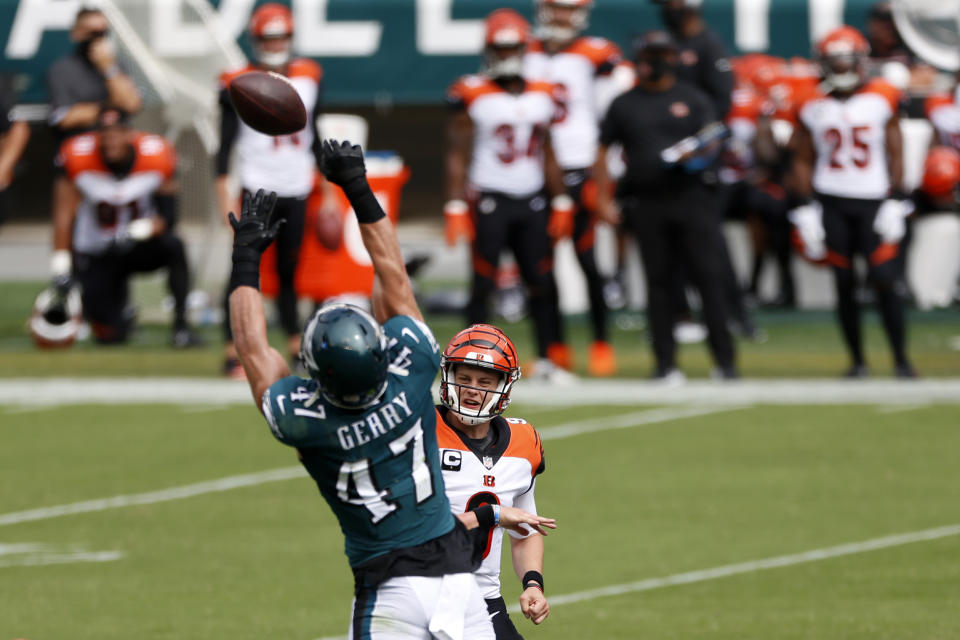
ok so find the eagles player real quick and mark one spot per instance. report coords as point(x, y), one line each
point(364, 426)
point(488, 459)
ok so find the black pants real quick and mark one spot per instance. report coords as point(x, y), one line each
point(289, 237)
point(584, 240)
point(105, 280)
point(681, 229)
point(521, 225)
point(848, 224)
point(502, 624)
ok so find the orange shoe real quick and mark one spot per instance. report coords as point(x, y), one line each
point(561, 355)
point(603, 360)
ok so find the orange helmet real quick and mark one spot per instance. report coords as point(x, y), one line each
point(842, 54)
point(941, 172)
point(505, 39)
point(550, 27)
point(272, 21)
point(485, 346)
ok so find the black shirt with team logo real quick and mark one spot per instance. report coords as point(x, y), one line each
point(647, 122)
point(704, 63)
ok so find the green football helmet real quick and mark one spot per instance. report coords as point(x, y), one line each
point(345, 350)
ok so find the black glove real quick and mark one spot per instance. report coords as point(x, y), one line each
point(342, 164)
point(252, 234)
point(62, 284)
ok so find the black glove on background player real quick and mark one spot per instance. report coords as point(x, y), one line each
point(252, 234)
point(342, 164)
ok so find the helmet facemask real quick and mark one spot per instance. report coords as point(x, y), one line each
point(493, 402)
point(843, 72)
point(504, 62)
point(270, 58)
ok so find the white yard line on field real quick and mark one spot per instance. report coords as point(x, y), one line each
point(901, 408)
point(750, 566)
point(607, 392)
point(288, 473)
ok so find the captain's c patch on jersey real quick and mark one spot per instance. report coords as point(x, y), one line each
point(450, 460)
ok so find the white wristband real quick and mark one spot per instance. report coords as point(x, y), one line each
point(60, 262)
point(456, 208)
point(561, 202)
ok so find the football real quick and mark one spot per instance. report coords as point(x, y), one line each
point(329, 229)
point(268, 102)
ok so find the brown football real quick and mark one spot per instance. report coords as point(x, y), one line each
point(268, 102)
point(329, 229)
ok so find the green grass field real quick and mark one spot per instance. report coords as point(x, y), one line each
point(685, 495)
point(801, 344)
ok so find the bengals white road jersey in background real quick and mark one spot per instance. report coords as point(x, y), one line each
point(110, 202)
point(585, 70)
point(509, 132)
point(850, 140)
point(944, 115)
point(284, 164)
point(504, 473)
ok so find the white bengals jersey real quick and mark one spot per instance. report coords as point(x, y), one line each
point(505, 474)
point(585, 69)
point(284, 164)
point(509, 133)
point(849, 137)
point(944, 114)
point(110, 202)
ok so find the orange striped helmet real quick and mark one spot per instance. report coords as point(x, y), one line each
point(487, 347)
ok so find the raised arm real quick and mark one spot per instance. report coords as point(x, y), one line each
point(253, 233)
point(343, 165)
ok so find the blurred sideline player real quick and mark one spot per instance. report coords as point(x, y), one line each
point(284, 164)
point(364, 427)
point(592, 72)
point(118, 220)
point(848, 166)
point(14, 135)
point(487, 459)
point(499, 159)
point(943, 112)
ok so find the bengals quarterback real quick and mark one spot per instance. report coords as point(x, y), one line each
point(504, 186)
point(488, 459)
point(848, 172)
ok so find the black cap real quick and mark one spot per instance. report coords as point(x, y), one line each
point(656, 40)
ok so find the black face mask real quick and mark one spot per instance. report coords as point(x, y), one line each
point(659, 67)
point(83, 47)
point(673, 18)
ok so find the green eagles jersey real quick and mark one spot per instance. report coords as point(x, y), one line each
point(378, 468)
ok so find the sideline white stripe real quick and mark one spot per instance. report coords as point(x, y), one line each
point(288, 473)
point(152, 497)
point(690, 577)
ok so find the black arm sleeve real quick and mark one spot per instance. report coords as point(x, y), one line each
point(229, 127)
point(315, 148)
point(610, 126)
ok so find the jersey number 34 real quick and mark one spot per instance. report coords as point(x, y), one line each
point(365, 492)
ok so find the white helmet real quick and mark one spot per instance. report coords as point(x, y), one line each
point(56, 317)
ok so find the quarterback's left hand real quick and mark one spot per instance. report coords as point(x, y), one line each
point(562, 209)
point(253, 232)
point(890, 221)
point(534, 605)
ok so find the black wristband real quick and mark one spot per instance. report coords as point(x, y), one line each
point(246, 269)
point(364, 203)
point(898, 194)
point(532, 576)
point(485, 516)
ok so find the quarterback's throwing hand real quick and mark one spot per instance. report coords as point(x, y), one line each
point(513, 519)
point(342, 163)
point(253, 231)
